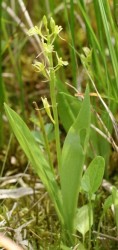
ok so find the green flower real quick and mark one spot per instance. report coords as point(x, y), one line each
point(47, 108)
point(55, 28)
point(40, 67)
point(34, 31)
point(60, 62)
point(48, 48)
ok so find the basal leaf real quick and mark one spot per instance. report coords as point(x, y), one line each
point(82, 220)
point(35, 156)
point(108, 202)
point(93, 176)
point(73, 155)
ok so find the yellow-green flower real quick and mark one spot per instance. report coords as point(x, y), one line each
point(48, 48)
point(47, 108)
point(60, 62)
point(34, 30)
point(40, 67)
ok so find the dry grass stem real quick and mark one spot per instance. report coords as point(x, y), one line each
point(20, 24)
point(8, 244)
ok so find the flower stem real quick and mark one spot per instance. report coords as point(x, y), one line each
point(90, 209)
point(44, 135)
point(55, 112)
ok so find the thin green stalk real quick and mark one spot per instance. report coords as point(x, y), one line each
point(44, 135)
point(54, 108)
point(108, 38)
point(52, 7)
point(7, 151)
point(95, 44)
point(2, 92)
point(106, 80)
point(115, 10)
point(112, 23)
point(90, 209)
point(98, 231)
point(88, 25)
point(1, 109)
point(16, 67)
point(72, 30)
point(71, 39)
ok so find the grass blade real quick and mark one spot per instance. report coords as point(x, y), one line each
point(70, 28)
point(109, 41)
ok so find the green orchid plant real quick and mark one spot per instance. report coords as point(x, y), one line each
point(71, 157)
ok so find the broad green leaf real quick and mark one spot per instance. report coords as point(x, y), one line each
point(35, 156)
point(108, 202)
point(82, 220)
point(68, 106)
point(73, 154)
point(93, 176)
